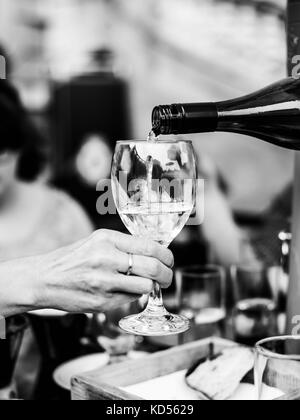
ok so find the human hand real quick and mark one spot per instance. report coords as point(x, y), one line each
point(90, 276)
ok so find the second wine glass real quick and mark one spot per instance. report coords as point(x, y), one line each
point(154, 187)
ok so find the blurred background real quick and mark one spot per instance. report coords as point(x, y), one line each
point(165, 51)
point(89, 73)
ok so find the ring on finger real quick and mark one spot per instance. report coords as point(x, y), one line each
point(130, 265)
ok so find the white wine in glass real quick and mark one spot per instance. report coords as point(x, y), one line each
point(162, 222)
point(154, 187)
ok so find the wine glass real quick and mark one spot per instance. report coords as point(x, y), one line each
point(154, 187)
point(201, 293)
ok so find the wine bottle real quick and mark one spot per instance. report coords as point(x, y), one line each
point(271, 114)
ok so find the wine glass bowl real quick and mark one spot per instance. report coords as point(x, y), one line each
point(154, 188)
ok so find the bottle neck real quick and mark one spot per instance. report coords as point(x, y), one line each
point(185, 118)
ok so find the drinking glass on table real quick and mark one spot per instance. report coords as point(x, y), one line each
point(255, 311)
point(154, 187)
point(201, 293)
point(13, 329)
point(277, 368)
point(116, 342)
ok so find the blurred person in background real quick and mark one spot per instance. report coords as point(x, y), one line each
point(89, 165)
point(34, 218)
point(37, 226)
point(219, 229)
point(89, 113)
point(27, 206)
point(227, 241)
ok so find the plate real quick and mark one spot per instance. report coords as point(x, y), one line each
point(48, 313)
point(63, 374)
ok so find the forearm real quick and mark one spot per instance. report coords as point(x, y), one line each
point(221, 231)
point(18, 286)
point(224, 239)
point(88, 276)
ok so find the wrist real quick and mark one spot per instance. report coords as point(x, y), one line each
point(48, 281)
point(19, 292)
point(40, 294)
point(29, 284)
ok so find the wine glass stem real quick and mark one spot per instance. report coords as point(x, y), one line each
point(155, 305)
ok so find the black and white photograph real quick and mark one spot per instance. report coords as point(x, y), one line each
point(149, 203)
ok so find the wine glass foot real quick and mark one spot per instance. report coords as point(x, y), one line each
point(151, 325)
